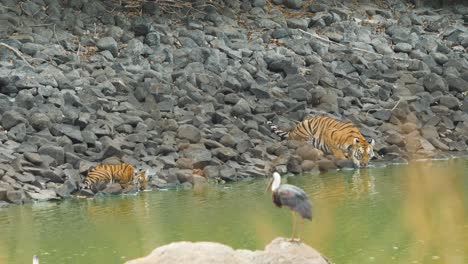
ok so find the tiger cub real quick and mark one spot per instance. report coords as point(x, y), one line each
point(343, 140)
point(122, 173)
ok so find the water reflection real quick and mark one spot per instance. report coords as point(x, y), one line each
point(396, 214)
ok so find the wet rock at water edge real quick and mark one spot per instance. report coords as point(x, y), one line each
point(114, 188)
point(66, 189)
point(326, 165)
point(16, 197)
point(43, 195)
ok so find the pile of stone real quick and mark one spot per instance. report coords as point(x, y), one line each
point(87, 80)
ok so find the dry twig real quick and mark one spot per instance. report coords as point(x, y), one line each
point(17, 52)
point(399, 100)
point(342, 45)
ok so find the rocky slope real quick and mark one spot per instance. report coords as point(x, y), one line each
point(278, 251)
point(186, 89)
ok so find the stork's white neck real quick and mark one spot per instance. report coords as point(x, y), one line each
point(276, 181)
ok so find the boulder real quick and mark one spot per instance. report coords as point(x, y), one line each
point(433, 82)
point(189, 132)
point(11, 119)
point(293, 4)
point(108, 43)
point(280, 250)
point(43, 195)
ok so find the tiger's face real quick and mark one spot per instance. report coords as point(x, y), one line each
point(361, 152)
point(142, 179)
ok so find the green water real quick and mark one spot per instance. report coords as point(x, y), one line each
point(396, 214)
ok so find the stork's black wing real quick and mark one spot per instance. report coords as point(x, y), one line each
point(296, 199)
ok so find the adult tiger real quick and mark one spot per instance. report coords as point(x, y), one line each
point(343, 140)
point(122, 173)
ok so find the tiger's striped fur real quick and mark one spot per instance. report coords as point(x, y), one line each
point(343, 140)
point(122, 173)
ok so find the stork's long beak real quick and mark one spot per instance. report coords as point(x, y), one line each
point(270, 182)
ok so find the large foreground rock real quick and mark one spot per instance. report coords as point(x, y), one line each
point(280, 250)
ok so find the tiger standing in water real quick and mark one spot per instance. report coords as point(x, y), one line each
point(343, 140)
point(123, 173)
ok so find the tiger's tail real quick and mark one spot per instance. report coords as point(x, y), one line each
point(283, 135)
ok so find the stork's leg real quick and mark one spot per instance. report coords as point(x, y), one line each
point(300, 229)
point(294, 226)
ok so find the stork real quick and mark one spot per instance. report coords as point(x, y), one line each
point(294, 198)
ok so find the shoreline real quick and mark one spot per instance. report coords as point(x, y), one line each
point(188, 96)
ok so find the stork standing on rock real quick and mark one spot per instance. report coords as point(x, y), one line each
point(293, 197)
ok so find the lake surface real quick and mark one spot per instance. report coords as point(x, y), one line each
point(414, 213)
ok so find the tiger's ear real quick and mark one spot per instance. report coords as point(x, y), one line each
point(371, 141)
point(355, 141)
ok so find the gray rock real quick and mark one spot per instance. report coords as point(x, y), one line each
point(86, 193)
point(318, 7)
point(280, 33)
point(199, 156)
point(449, 101)
point(326, 165)
point(11, 119)
point(27, 83)
point(142, 26)
point(73, 132)
point(57, 153)
point(43, 195)
point(153, 39)
point(381, 46)
point(24, 177)
point(440, 58)
point(294, 4)
point(108, 43)
point(39, 121)
point(225, 153)
point(383, 115)
point(189, 132)
point(241, 108)
point(135, 47)
point(25, 99)
point(114, 188)
point(258, 3)
point(260, 92)
point(66, 189)
point(31, 48)
point(456, 83)
point(345, 164)
point(227, 173)
point(16, 197)
point(18, 132)
point(433, 82)
point(209, 252)
point(34, 158)
point(3, 193)
point(403, 47)
point(308, 152)
point(300, 94)
point(464, 106)
point(302, 23)
point(52, 176)
point(395, 139)
point(112, 149)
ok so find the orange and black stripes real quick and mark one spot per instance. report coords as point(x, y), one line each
point(332, 136)
point(123, 173)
